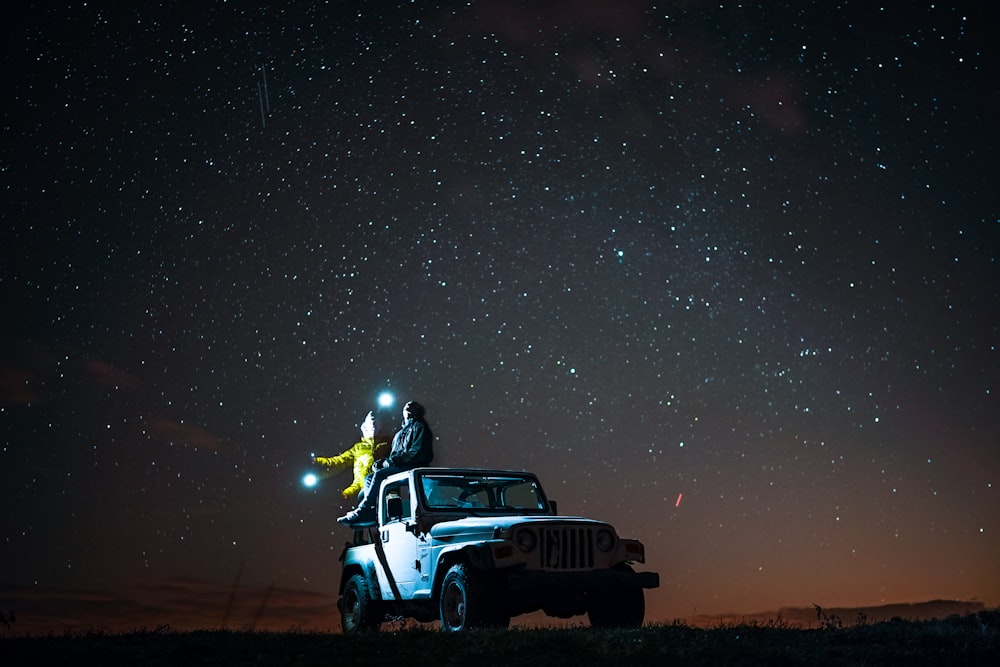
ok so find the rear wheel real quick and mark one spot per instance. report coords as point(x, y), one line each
point(469, 600)
point(357, 609)
point(618, 608)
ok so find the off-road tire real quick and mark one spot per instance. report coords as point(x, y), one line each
point(618, 608)
point(469, 599)
point(357, 608)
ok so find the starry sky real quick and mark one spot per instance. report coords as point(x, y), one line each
point(722, 274)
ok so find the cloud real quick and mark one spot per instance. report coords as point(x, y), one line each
point(30, 371)
point(180, 603)
point(107, 375)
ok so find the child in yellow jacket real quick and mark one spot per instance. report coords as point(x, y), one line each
point(361, 454)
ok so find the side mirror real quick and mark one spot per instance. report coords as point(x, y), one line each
point(552, 507)
point(394, 508)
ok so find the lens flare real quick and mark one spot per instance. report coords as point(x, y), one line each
point(310, 479)
point(385, 399)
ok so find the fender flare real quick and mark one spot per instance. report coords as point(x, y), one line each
point(479, 556)
point(368, 572)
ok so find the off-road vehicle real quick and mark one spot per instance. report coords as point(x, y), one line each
point(475, 547)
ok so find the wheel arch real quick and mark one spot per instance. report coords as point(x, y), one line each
point(367, 571)
point(478, 556)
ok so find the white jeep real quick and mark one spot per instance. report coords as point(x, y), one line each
point(475, 547)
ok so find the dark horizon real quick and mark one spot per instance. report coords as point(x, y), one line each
point(186, 604)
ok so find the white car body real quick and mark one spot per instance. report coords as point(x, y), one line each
point(474, 547)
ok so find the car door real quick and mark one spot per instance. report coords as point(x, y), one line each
point(398, 542)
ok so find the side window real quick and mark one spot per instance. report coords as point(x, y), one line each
point(400, 490)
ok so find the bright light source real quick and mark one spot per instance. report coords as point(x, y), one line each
point(310, 479)
point(385, 399)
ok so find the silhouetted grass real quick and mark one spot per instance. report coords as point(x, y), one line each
point(968, 640)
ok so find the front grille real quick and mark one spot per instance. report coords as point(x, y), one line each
point(567, 548)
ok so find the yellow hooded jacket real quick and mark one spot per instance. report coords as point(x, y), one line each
point(362, 454)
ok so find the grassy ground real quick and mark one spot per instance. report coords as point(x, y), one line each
point(969, 640)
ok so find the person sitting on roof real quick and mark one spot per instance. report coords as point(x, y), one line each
point(360, 457)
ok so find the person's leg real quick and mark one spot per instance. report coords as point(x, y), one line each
point(368, 500)
point(365, 490)
point(369, 503)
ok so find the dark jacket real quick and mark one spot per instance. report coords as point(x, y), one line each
point(412, 447)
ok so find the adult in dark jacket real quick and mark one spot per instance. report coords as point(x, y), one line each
point(412, 447)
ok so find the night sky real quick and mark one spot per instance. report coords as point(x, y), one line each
point(722, 274)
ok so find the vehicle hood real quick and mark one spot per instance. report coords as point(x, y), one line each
point(486, 525)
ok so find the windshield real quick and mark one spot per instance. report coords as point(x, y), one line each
point(482, 492)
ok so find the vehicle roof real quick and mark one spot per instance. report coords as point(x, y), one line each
point(474, 471)
point(460, 471)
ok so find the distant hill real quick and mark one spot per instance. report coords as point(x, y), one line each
point(815, 616)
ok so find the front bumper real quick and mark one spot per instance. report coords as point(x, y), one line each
point(523, 579)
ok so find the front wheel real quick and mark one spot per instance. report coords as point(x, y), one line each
point(469, 599)
point(357, 609)
point(618, 608)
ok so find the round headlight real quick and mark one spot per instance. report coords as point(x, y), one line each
point(605, 540)
point(525, 540)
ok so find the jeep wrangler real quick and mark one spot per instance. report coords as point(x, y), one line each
point(473, 548)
